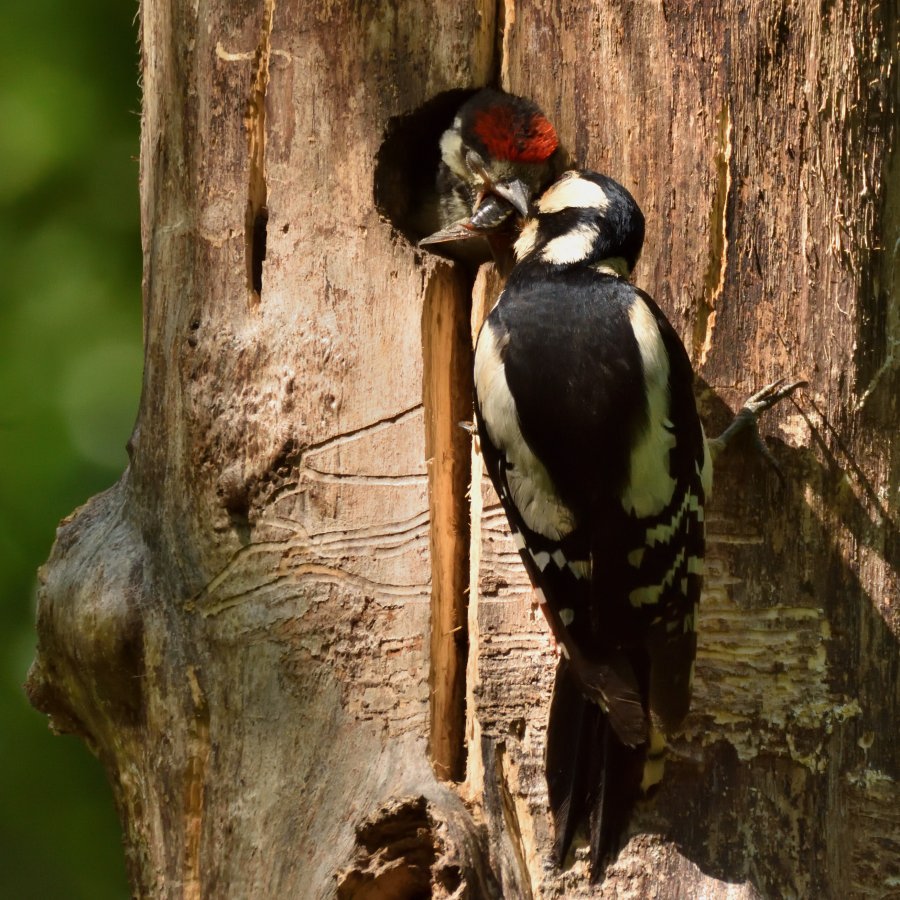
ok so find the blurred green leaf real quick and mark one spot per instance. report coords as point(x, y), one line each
point(70, 368)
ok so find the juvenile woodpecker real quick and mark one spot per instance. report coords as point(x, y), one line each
point(589, 431)
point(499, 153)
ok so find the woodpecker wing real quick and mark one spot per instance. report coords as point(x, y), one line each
point(590, 434)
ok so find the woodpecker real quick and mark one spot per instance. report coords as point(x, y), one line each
point(499, 153)
point(590, 434)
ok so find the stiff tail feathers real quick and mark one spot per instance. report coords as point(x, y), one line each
point(614, 686)
point(593, 778)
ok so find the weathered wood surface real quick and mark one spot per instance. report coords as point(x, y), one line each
point(261, 630)
point(760, 140)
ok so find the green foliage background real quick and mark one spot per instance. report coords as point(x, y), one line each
point(70, 368)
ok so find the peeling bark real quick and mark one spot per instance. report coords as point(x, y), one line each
point(289, 628)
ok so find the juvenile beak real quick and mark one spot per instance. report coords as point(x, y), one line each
point(492, 211)
point(514, 192)
point(458, 231)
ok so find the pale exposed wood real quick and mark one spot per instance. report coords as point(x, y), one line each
point(256, 628)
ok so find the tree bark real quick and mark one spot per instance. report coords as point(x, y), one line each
point(265, 631)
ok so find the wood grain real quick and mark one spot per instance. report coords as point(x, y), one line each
point(253, 629)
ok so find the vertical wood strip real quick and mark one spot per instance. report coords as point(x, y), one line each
point(447, 393)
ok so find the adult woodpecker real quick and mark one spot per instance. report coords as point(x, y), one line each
point(589, 431)
point(499, 153)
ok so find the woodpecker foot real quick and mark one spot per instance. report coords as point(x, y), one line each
point(748, 418)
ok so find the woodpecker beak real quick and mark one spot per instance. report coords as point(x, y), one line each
point(458, 231)
point(494, 206)
point(516, 193)
point(491, 212)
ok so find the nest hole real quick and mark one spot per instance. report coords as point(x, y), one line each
point(407, 163)
point(396, 852)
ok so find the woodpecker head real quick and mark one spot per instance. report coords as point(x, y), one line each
point(499, 153)
point(584, 218)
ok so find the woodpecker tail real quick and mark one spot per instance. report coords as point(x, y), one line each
point(592, 777)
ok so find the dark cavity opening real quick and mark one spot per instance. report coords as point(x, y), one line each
point(407, 164)
point(258, 249)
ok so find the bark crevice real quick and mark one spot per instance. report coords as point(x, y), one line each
point(257, 216)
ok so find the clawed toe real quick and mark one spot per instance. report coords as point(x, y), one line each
point(770, 395)
point(747, 419)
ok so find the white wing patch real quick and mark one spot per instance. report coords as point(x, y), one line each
point(650, 486)
point(644, 596)
point(532, 491)
point(580, 568)
point(662, 533)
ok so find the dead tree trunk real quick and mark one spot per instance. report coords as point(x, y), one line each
point(264, 629)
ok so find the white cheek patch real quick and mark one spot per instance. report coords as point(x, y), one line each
point(452, 152)
point(531, 489)
point(572, 247)
point(526, 240)
point(650, 486)
point(573, 191)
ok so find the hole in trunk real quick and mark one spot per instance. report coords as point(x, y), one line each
point(407, 165)
point(258, 249)
point(395, 854)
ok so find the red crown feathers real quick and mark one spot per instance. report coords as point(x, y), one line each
point(517, 135)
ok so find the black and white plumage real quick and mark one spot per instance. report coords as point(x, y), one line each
point(590, 434)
